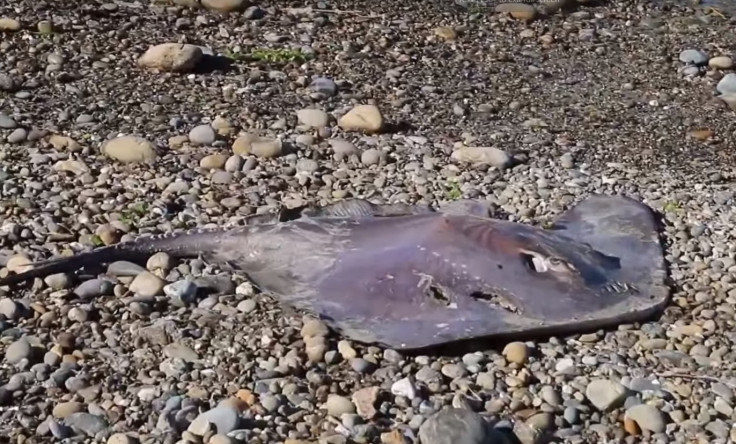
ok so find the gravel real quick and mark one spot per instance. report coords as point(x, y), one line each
point(127, 118)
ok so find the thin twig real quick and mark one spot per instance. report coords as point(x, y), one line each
point(692, 376)
point(308, 9)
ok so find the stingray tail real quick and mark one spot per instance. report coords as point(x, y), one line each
point(179, 245)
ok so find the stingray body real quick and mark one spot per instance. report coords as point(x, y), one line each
point(411, 277)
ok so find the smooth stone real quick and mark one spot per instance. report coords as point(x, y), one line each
point(366, 118)
point(693, 56)
point(727, 85)
point(516, 352)
point(324, 86)
point(213, 162)
point(18, 135)
point(182, 292)
point(721, 62)
point(519, 11)
point(147, 284)
point(647, 417)
point(129, 149)
point(337, 405)
point(202, 135)
point(87, 423)
point(313, 118)
point(482, 155)
point(404, 387)
point(176, 57)
point(18, 351)
point(225, 419)
point(8, 24)
point(225, 5)
point(605, 394)
point(10, 309)
point(7, 122)
point(455, 426)
point(64, 409)
point(94, 288)
point(371, 156)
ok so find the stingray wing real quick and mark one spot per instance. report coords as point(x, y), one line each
point(424, 280)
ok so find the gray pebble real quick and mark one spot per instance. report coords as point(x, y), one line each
point(324, 86)
point(454, 426)
point(7, 122)
point(93, 288)
point(86, 423)
point(693, 56)
point(370, 157)
point(202, 135)
point(18, 135)
point(246, 305)
point(647, 417)
point(727, 85)
point(182, 293)
point(19, 350)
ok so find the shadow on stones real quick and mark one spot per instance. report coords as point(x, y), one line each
point(397, 127)
point(211, 63)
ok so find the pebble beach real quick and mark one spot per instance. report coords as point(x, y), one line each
point(122, 118)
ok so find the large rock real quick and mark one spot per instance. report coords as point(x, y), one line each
point(9, 24)
point(519, 11)
point(605, 394)
point(258, 146)
point(224, 5)
point(482, 155)
point(129, 149)
point(175, 57)
point(455, 426)
point(366, 118)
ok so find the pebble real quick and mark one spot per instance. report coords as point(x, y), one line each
point(8, 24)
point(202, 135)
point(721, 62)
point(121, 438)
point(17, 136)
point(213, 161)
point(482, 155)
point(323, 85)
point(647, 417)
point(173, 57)
point(147, 284)
point(694, 57)
point(365, 118)
point(337, 406)
point(87, 423)
point(519, 11)
point(10, 309)
point(225, 5)
point(19, 350)
point(93, 288)
point(727, 85)
point(129, 149)
point(605, 394)
point(404, 387)
point(224, 418)
point(313, 118)
point(65, 409)
point(454, 426)
point(516, 352)
point(7, 122)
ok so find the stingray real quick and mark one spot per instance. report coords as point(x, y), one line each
point(411, 277)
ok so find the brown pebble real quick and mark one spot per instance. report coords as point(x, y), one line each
point(631, 427)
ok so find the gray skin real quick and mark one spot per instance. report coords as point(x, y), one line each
point(410, 277)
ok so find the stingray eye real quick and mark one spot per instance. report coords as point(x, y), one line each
point(555, 261)
point(558, 264)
